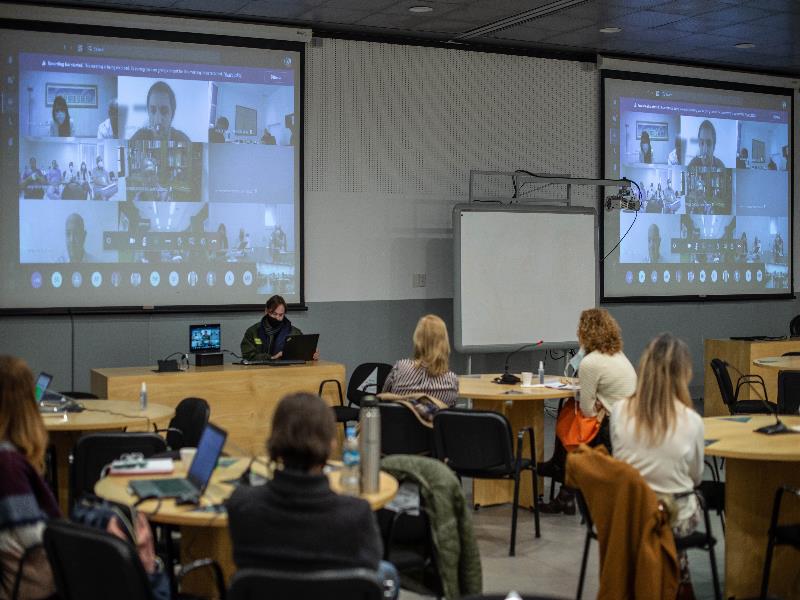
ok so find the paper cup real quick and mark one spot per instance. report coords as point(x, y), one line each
point(187, 455)
point(527, 378)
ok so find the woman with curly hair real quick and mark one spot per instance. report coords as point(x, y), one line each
point(606, 377)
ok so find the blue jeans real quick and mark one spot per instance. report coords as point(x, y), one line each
point(387, 573)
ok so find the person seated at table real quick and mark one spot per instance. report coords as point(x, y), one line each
point(266, 339)
point(429, 371)
point(606, 376)
point(658, 432)
point(26, 503)
point(295, 522)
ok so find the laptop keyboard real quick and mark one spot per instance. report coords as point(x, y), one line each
point(173, 486)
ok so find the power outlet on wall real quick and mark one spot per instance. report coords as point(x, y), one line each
point(420, 280)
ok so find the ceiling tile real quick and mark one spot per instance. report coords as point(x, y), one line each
point(647, 19)
point(412, 24)
point(690, 8)
point(557, 22)
point(332, 15)
point(210, 6)
point(528, 34)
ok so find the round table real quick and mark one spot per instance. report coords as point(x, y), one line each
point(756, 466)
point(523, 407)
point(204, 534)
point(99, 415)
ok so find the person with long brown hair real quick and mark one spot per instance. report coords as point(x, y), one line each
point(658, 432)
point(606, 376)
point(428, 371)
point(26, 503)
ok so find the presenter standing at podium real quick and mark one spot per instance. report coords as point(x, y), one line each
point(266, 339)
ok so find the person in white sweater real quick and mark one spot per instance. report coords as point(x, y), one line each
point(658, 432)
point(606, 376)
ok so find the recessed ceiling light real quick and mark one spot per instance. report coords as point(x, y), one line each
point(420, 9)
point(611, 30)
point(744, 45)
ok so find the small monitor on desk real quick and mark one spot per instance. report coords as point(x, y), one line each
point(205, 339)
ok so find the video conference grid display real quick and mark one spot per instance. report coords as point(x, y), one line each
point(205, 338)
point(142, 172)
point(714, 168)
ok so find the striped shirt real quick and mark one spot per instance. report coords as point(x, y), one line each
point(408, 378)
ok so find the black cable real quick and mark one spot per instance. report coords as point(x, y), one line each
point(231, 353)
point(173, 354)
point(635, 216)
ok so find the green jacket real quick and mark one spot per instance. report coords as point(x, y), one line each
point(459, 559)
point(252, 346)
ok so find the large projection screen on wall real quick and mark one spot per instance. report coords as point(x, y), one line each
point(129, 179)
point(714, 165)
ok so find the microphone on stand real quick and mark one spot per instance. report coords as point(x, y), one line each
point(777, 427)
point(507, 378)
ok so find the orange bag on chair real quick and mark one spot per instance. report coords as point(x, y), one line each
point(574, 429)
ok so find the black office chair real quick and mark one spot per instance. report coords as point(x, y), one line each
point(731, 397)
point(779, 535)
point(186, 427)
point(94, 451)
point(357, 388)
point(703, 540)
point(478, 444)
point(788, 392)
point(91, 564)
point(344, 584)
point(591, 534)
point(402, 432)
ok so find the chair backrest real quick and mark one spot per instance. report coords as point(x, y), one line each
point(90, 564)
point(791, 354)
point(191, 417)
point(344, 584)
point(401, 431)
point(472, 440)
point(794, 326)
point(358, 387)
point(94, 451)
point(788, 392)
point(76, 395)
point(724, 382)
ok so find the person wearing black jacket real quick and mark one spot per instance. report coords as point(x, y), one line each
point(295, 521)
point(266, 339)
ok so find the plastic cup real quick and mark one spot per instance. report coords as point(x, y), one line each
point(187, 455)
point(527, 378)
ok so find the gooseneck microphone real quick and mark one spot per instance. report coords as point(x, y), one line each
point(507, 378)
point(778, 426)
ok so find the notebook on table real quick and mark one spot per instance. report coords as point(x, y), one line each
point(194, 484)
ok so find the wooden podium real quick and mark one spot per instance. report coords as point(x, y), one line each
point(242, 398)
point(740, 355)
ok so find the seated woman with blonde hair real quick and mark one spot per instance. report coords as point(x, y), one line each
point(429, 371)
point(26, 503)
point(658, 433)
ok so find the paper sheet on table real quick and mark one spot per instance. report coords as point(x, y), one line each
point(563, 386)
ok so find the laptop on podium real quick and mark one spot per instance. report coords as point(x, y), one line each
point(194, 484)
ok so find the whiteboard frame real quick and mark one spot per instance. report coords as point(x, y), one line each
point(458, 210)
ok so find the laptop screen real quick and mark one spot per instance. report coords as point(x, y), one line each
point(208, 450)
point(205, 338)
point(42, 383)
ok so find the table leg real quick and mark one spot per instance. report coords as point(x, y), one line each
point(486, 492)
point(749, 491)
point(63, 442)
point(206, 542)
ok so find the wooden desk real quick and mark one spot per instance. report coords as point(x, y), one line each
point(100, 415)
point(242, 398)
point(756, 466)
point(741, 354)
point(523, 409)
point(205, 534)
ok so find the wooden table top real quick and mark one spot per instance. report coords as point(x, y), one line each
point(481, 387)
point(215, 370)
point(102, 415)
point(781, 363)
point(736, 438)
point(116, 488)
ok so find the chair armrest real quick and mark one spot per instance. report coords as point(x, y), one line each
point(168, 430)
point(203, 563)
point(751, 380)
point(338, 387)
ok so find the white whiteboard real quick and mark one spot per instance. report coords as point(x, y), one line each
point(523, 274)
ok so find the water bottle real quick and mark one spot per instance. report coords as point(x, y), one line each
point(541, 372)
point(351, 472)
point(370, 420)
point(143, 396)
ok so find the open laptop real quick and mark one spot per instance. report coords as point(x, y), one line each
point(300, 347)
point(194, 484)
